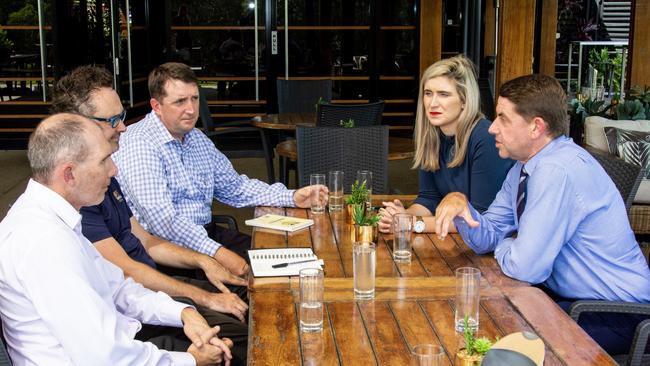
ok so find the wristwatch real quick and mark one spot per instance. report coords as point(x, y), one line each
point(418, 227)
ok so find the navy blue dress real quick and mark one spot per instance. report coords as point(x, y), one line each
point(479, 177)
point(112, 218)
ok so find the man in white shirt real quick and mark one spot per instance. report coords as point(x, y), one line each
point(61, 302)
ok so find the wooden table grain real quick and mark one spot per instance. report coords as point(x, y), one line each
point(413, 303)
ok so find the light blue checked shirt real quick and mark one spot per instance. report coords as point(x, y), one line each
point(574, 235)
point(169, 185)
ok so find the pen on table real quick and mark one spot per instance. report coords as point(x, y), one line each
point(281, 265)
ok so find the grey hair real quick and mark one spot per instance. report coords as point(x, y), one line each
point(57, 139)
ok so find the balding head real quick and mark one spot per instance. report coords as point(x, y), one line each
point(57, 139)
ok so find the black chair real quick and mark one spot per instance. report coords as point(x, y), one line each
point(4, 356)
point(237, 139)
point(301, 96)
point(321, 149)
point(368, 114)
point(626, 177)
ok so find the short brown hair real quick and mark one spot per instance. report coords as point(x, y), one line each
point(72, 92)
point(539, 96)
point(159, 76)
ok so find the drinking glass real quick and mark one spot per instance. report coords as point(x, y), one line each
point(366, 176)
point(402, 232)
point(335, 186)
point(468, 286)
point(427, 355)
point(311, 299)
point(364, 263)
point(317, 206)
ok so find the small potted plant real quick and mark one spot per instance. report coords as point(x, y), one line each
point(365, 225)
point(358, 197)
point(475, 348)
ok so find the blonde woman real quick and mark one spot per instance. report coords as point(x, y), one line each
point(453, 150)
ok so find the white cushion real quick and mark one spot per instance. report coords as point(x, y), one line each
point(595, 137)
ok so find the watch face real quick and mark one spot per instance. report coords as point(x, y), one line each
point(419, 226)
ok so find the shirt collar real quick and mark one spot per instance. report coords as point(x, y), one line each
point(158, 129)
point(531, 164)
point(61, 208)
point(164, 136)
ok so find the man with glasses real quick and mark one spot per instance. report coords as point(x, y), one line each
point(61, 302)
point(111, 227)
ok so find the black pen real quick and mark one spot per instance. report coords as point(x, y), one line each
point(281, 265)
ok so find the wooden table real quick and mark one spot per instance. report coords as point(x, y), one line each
point(413, 304)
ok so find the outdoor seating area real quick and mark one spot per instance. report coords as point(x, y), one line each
point(407, 182)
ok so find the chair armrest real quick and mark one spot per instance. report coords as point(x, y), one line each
point(225, 219)
point(639, 343)
point(598, 306)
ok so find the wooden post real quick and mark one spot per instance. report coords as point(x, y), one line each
point(639, 67)
point(430, 33)
point(516, 39)
point(547, 39)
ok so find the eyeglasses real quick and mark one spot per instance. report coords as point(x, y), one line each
point(113, 121)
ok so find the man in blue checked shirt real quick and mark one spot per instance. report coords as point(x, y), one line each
point(170, 172)
point(573, 235)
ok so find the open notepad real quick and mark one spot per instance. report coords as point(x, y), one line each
point(263, 260)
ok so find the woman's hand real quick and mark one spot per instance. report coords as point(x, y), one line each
point(390, 208)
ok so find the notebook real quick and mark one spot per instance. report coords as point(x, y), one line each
point(279, 222)
point(263, 260)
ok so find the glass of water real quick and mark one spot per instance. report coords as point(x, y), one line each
point(365, 176)
point(335, 186)
point(364, 265)
point(468, 293)
point(317, 206)
point(311, 299)
point(402, 232)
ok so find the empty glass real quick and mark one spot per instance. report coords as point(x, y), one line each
point(468, 292)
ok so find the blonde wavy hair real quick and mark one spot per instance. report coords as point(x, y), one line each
point(426, 137)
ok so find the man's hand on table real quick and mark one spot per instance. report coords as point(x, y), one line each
point(233, 262)
point(206, 347)
point(225, 303)
point(454, 204)
point(302, 196)
point(218, 275)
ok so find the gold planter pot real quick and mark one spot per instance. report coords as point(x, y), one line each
point(462, 359)
point(365, 233)
point(350, 212)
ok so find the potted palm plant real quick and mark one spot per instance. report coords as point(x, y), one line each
point(358, 197)
point(475, 348)
point(365, 225)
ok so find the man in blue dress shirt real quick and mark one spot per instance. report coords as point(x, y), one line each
point(170, 172)
point(572, 232)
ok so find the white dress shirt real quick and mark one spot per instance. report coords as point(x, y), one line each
point(62, 303)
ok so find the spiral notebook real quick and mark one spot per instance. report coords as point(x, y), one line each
point(289, 261)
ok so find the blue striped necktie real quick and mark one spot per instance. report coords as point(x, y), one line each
point(521, 192)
